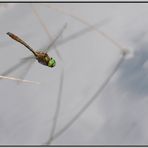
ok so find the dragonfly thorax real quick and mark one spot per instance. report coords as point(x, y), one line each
point(44, 59)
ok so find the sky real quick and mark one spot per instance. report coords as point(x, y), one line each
point(95, 95)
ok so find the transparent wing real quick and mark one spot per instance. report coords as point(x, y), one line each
point(80, 33)
point(27, 61)
point(55, 39)
point(73, 36)
point(24, 61)
point(46, 30)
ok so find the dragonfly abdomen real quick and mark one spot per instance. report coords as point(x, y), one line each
point(16, 38)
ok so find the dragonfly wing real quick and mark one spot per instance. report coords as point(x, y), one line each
point(29, 62)
point(16, 66)
point(23, 62)
point(81, 32)
point(55, 39)
point(28, 58)
point(75, 35)
point(48, 47)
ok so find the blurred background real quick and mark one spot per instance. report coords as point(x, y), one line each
point(95, 95)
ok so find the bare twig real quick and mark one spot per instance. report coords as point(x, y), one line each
point(57, 110)
point(17, 79)
point(24, 61)
point(92, 99)
point(83, 21)
point(98, 92)
point(45, 29)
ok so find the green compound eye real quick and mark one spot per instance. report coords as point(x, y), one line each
point(51, 63)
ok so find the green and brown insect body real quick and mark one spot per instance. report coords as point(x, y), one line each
point(42, 57)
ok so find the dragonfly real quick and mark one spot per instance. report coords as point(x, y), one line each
point(42, 55)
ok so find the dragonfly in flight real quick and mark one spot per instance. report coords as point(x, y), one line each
point(42, 55)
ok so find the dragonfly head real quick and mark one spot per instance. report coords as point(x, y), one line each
point(51, 63)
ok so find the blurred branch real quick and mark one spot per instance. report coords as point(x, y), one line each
point(58, 104)
point(57, 111)
point(83, 21)
point(94, 97)
point(100, 89)
point(17, 79)
point(24, 61)
point(45, 29)
point(81, 32)
point(98, 92)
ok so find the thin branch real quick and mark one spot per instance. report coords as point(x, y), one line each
point(45, 29)
point(17, 79)
point(94, 97)
point(59, 98)
point(83, 21)
point(57, 111)
point(24, 61)
point(98, 92)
